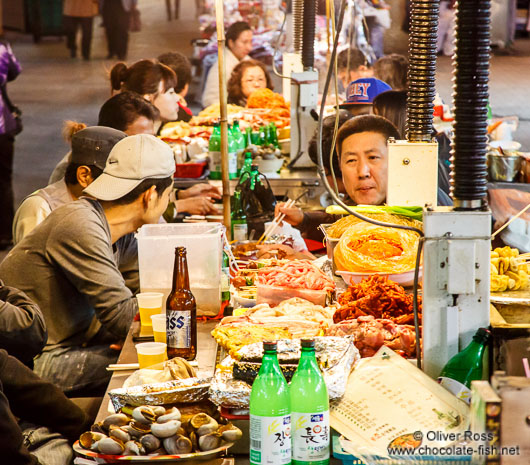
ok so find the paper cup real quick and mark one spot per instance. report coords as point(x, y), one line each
point(151, 353)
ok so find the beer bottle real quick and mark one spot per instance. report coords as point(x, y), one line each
point(181, 312)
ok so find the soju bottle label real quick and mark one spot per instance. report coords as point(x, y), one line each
point(215, 161)
point(311, 436)
point(178, 329)
point(457, 388)
point(270, 440)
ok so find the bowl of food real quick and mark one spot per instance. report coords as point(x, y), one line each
point(269, 166)
point(503, 167)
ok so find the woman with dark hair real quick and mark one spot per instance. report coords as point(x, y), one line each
point(393, 70)
point(153, 80)
point(238, 46)
point(392, 105)
point(248, 76)
point(180, 64)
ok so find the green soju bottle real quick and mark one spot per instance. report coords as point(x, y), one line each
point(254, 176)
point(310, 410)
point(239, 141)
point(466, 366)
point(247, 166)
point(232, 156)
point(238, 219)
point(214, 150)
point(270, 413)
point(262, 136)
point(273, 135)
point(225, 279)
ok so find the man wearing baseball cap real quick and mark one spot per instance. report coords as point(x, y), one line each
point(361, 93)
point(68, 264)
point(90, 149)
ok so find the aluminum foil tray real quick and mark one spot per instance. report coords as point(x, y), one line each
point(336, 355)
point(169, 392)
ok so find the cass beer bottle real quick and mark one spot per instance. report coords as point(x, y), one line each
point(309, 410)
point(270, 413)
point(181, 312)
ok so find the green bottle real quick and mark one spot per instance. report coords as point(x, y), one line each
point(309, 410)
point(238, 219)
point(254, 176)
point(225, 279)
point(239, 140)
point(214, 150)
point(466, 366)
point(273, 135)
point(262, 140)
point(247, 166)
point(270, 413)
point(232, 156)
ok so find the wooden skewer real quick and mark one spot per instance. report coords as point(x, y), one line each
point(505, 225)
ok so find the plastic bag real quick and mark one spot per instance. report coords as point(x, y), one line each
point(369, 248)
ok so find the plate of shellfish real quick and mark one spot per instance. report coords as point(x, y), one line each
point(149, 433)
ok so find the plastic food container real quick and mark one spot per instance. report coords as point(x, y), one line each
point(190, 170)
point(156, 255)
point(274, 295)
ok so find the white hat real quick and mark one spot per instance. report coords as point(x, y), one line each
point(132, 160)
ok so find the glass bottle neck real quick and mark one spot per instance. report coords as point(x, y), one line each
point(308, 359)
point(181, 278)
point(270, 363)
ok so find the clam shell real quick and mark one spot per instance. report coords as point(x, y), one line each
point(144, 414)
point(117, 419)
point(111, 446)
point(89, 439)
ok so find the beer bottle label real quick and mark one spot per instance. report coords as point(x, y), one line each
point(270, 440)
point(310, 436)
point(178, 329)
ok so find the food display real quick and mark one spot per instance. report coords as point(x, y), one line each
point(379, 297)
point(370, 333)
point(367, 248)
point(336, 356)
point(508, 270)
point(158, 431)
point(266, 98)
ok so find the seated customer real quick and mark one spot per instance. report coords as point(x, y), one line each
point(38, 423)
point(360, 95)
point(393, 70)
point(182, 68)
point(352, 65)
point(90, 150)
point(363, 155)
point(22, 329)
point(68, 264)
point(248, 76)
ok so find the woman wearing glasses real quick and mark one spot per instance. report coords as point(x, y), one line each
point(248, 76)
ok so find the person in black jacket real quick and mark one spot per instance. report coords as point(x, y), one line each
point(34, 401)
point(22, 329)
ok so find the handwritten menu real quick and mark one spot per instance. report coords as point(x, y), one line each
point(388, 397)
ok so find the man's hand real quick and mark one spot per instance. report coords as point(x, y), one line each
point(293, 215)
point(200, 190)
point(196, 206)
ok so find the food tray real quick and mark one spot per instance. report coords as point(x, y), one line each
point(182, 390)
point(511, 297)
point(404, 279)
point(105, 458)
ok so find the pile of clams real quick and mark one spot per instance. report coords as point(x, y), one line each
point(155, 430)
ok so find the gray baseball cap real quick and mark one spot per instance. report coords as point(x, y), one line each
point(131, 161)
point(92, 145)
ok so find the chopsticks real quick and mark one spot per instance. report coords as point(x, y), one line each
point(275, 223)
point(510, 220)
point(123, 366)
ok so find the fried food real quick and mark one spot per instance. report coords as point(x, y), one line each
point(508, 271)
point(367, 248)
point(266, 98)
point(175, 130)
point(379, 297)
point(215, 110)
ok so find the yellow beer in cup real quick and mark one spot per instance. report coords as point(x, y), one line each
point(151, 353)
point(149, 303)
point(159, 327)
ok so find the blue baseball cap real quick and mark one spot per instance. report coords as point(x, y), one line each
point(363, 91)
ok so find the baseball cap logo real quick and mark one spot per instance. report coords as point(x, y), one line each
point(360, 89)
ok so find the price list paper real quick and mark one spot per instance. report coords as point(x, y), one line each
point(387, 398)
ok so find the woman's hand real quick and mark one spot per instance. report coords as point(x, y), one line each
point(293, 215)
point(196, 206)
point(200, 190)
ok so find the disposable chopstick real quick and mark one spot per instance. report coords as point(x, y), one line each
point(505, 225)
point(277, 220)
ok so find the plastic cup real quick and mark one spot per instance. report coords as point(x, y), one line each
point(149, 303)
point(151, 353)
point(159, 327)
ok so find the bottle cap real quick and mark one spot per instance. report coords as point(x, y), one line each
point(482, 335)
point(180, 250)
point(308, 343)
point(270, 345)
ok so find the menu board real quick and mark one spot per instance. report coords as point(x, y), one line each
point(391, 403)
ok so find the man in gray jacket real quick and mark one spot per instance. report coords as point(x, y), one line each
point(68, 265)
